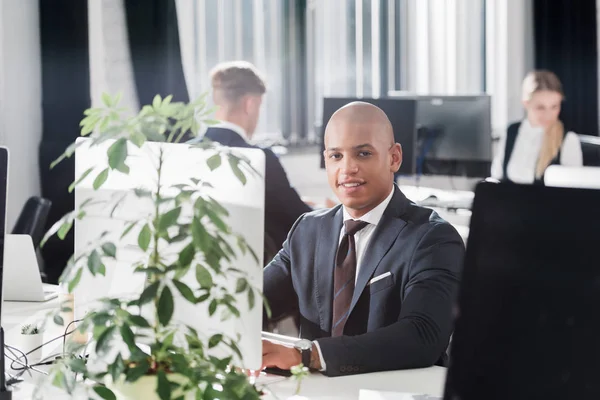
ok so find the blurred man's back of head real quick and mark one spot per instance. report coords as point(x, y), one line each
point(238, 88)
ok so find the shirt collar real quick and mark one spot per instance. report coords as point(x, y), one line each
point(374, 216)
point(234, 127)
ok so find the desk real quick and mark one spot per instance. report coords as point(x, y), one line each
point(318, 387)
point(315, 387)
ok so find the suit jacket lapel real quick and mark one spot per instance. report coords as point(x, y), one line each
point(383, 238)
point(329, 236)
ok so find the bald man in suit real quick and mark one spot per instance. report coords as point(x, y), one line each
point(373, 279)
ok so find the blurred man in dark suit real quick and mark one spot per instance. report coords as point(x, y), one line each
point(238, 90)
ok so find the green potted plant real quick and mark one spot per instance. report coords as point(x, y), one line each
point(31, 341)
point(166, 368)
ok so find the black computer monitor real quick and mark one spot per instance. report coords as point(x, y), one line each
point(528, 325)
point(402, 115)
point(454, 134)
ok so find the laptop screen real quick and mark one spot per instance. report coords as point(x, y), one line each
point(528, 323)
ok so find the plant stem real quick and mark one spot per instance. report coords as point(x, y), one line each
point(155, 257)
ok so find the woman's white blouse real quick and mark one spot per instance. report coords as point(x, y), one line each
point(523, 160)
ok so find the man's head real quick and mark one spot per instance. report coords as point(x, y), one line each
point(361, 156)
point(238, 89)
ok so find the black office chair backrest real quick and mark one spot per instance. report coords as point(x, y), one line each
point(32, 220)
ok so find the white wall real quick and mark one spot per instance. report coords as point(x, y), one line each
point(20, 99)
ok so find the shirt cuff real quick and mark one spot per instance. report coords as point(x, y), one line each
point(323, 366)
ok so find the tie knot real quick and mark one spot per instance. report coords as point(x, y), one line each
point(352, 226)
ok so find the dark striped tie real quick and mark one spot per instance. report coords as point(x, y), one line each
point(344, 276)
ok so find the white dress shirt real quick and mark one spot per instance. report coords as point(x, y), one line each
point(234, 127)
point(361, 239)
point(525, 153)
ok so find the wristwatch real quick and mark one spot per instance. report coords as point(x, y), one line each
point(305, 348)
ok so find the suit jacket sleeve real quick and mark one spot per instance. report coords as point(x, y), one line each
point(278, 289)
point(280, 195)
point(422, 332)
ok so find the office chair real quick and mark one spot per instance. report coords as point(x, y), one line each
point(32, 222)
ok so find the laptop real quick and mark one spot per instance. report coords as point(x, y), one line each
point(22, 279)
point(528, 325)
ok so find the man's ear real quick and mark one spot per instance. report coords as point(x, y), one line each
point(396, 159)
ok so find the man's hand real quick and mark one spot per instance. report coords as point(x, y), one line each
point(279, 355)
point(286, 356)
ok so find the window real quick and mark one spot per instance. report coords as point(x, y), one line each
point(225, 30)
point(366, 48)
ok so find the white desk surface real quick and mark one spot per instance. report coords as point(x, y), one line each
point(315, 387)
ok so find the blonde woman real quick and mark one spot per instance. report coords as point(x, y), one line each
point(538, 141)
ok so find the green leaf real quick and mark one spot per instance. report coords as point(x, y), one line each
point(144, 237)
point(103, 343)
point(169, 218)
point(137, 138)
point(217, 207)
point(156, 102)
point(164, 386)
point(77, 365)
point(165, 306)
point(140, 369)
point(186, 256)
point(129, 228)
point(139, 192)
point(214, 161)
point(109, 249)
point(101, 318)
point(234, 164)
point(104, 392)
point(251, 299)
point(58, 320)
point(241, 285)
point(200, 236)
point(203, 276)
point(215, 219)
point(117, 154)
point(107, 100)
point(95, 263)
point(203, 298)
point(65, 228)
point(149, 293)
point(75, 281)
point(128, 336)
point(81, 178)
point(116, 368)
point(266, 305)
point(140, 321)
point(100, 179)
point(212, 307)
point(214, 340)
point(185, 291)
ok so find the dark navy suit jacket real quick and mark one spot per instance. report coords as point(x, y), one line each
point(283, 205)
point(401, 321)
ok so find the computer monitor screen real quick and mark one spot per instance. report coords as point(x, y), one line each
point(244, 203)
point(454, 134)
point(401, 113)
point(464, 125)
point(527, 324)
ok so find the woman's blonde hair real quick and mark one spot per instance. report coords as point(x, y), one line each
point(537, 81)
